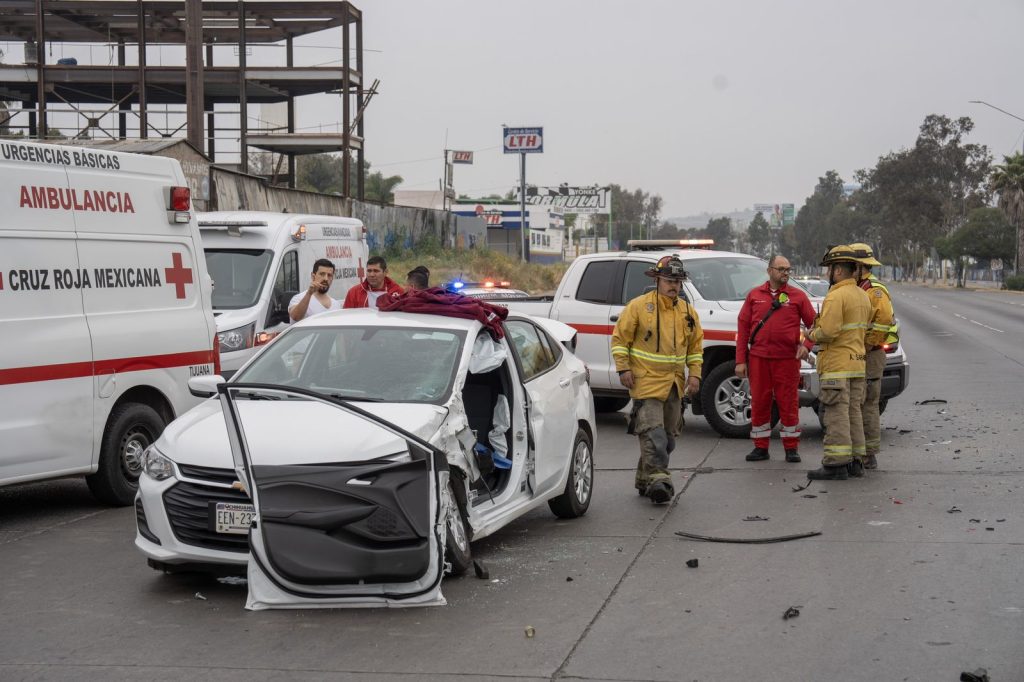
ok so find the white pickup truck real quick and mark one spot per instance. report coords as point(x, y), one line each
point(597, 286)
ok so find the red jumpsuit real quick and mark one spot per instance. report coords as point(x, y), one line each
point(773, 367)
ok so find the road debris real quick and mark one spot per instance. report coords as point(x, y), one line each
point(232, 580)
point(809, 496)
point(932, 401)
point(954, 510)
point(568, 578)
point(798, 488)
point(199, 595)
point(791, 612)
point(903, 431)
point(756, 518)
point(481, 570)
point(692, 563)
point(974, 520)
point(530, 632)
point(747, 541)
point(979, 675)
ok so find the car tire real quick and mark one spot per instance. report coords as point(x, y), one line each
point(729, 416)
point(881, 405)
point(610, 404)
point(131, 428)
point(579, 485)
point(457, 550)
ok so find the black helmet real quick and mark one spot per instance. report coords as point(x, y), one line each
point(668, 267)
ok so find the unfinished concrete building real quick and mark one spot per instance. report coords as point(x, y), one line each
point(154, 68)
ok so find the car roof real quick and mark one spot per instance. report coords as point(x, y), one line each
point(377, 318)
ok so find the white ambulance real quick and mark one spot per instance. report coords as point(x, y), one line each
point(259, 260)
point(104, 312)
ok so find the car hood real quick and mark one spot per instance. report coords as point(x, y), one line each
point(300, 431)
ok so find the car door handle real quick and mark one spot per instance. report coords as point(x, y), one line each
point(564, 382)
point(614, 318)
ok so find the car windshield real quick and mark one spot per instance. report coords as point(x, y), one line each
point(725, 279)
point(238, 276)
point(815, 287)
point(360, 363)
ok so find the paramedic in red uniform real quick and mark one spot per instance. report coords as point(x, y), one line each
point(376, 285)
point(769, 351)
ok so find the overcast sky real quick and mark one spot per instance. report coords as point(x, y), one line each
point(713, 105)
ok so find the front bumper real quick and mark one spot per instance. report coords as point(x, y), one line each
point(174, 519)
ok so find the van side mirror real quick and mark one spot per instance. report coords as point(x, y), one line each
point(204, 386)
point(279, 309)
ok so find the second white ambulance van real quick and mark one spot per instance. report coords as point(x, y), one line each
point(104, 312)
point(259, 260)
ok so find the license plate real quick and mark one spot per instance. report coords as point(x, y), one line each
point(233, 518)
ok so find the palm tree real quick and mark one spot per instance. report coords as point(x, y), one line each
point(1007, 181)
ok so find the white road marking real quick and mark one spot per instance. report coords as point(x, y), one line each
point(980, 324)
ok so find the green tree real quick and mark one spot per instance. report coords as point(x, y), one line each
point(1007, 181)
point(635, 214)
point(809, 237)
point(759, 236)
point(379, 188)
point(719, 229)
point(319, 173)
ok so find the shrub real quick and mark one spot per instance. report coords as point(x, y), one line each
point(1014, 282)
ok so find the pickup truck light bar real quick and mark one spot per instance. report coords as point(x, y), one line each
point(658, 244)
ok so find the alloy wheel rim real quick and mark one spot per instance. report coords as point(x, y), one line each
point(583, 472)
point(732, 401)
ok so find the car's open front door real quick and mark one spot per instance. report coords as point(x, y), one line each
point(348, 516)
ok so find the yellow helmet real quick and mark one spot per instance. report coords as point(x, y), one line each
point(864, 253)
point(843, 253)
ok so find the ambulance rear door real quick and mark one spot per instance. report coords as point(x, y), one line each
point(46, 389)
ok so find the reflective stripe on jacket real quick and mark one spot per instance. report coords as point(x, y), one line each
point(845, 315)
point(883, 327)
point(657, 360)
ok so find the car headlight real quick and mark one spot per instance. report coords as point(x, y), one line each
point(156, 466)
point(239, 338)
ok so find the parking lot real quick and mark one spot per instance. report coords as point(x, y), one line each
point(916, 574)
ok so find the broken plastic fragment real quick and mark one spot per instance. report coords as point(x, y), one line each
point(568, 578)
point(199, 595)
point(953, 510)
point(481, 570)
point(932, 401)
point(755, 518)
point(692, 563)
point(791, 612)
point(979, 675)
point(809, 496)
point(530, 632)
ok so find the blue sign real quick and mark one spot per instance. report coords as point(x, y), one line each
point(524, 140)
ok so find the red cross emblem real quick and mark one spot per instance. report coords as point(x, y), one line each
point(178, 276)
point(360, 272)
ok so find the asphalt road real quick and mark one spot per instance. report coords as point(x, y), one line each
point(899, 586)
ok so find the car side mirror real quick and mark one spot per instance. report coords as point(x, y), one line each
point(205, 386)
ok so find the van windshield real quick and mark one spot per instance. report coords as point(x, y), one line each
point(238, 276)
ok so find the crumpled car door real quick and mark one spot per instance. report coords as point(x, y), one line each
point(355, 522)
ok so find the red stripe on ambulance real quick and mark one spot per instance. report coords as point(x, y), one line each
point(76, 370)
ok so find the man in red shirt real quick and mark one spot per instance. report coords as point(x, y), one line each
point(376, 284)
point(768, 338)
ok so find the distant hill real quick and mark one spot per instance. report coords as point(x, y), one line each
point(740, 219)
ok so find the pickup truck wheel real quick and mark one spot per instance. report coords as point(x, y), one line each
point(726, 401)
point(457, 551)
point(609, 404)
point(131, 429)
point(579, 486)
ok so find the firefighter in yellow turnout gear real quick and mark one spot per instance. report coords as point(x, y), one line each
point(839, 330)
point(657, 347)
point(882, 332)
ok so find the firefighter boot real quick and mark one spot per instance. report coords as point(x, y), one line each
point(870, 462)
point(660, 491)
point(826, 473)
point(855, 469)
point(792, 455)
point(757, 455)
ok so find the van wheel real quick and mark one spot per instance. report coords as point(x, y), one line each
point(610, 404)
point(457, 550)
point(131, 429)
point(579, 487)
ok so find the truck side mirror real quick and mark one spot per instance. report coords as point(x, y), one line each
point(279, 309)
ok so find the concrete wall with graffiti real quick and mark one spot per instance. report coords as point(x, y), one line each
point(388, 227)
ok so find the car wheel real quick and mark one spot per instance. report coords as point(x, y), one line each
point(609, 404)
point(726, 401)
point(131, 429)
point(579, 487)
point(457, 550)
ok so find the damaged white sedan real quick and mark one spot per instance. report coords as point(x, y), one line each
point(357, 456)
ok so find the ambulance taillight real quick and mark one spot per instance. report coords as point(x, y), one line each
point(179, 203)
